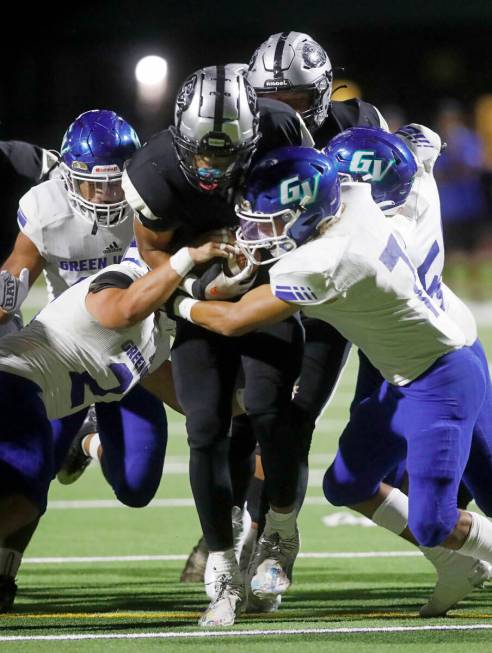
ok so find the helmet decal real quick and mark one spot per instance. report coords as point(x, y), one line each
point(294, 190)
point(363, 160)
point(379, 157)
point(313, 55)
point(185, 94)
point(288, 195)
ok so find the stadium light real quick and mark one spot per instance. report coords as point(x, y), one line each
point(151, 71)
point(151, 76)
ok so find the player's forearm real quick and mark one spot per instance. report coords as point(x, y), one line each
point(147, 294)
point(257, 308)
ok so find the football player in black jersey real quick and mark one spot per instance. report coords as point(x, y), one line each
point(183, 183)
point(295, 69)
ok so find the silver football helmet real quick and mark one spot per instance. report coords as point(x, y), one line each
point(290, 63)
point(216, 126)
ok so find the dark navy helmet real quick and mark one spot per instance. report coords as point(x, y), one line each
point(288, 194)
point(94, 153)
point(376, 156)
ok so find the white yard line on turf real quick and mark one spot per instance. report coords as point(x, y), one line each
point(201, 634)
point(86, 504)
point(170, 558)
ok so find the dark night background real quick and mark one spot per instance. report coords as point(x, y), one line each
point(76, 56)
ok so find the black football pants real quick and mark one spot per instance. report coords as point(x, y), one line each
point(205, 368)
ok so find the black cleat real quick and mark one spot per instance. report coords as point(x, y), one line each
point(76, 461)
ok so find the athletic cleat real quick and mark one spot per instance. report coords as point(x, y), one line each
point(237, 529)
point(270, 571)
point(255, 605)
point(76, 461)
point(8, 590)
point(194, 569)
point(248, 550)
point(227, 605)
point(455, 581)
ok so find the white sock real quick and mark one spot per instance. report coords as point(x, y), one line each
point(392, 514)
point(283, 523)
point(223, 562)
point(478, 544)
point(91, 443)
point(10, 560)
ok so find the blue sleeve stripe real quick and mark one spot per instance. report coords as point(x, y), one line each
point(21, 219)
point(295, 293)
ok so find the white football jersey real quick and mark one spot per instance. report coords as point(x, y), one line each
point(65, 240)
point(358, 277)
point(419, 224)
point(76, 361)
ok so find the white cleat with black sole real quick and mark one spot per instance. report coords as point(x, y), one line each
point(456, 579)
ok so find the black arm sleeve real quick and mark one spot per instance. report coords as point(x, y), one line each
point(24, 158)
point(110, 279)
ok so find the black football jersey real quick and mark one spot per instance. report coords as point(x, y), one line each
point(343, 115)
point(167, 201)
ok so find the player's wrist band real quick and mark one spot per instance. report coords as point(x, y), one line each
point(182, 307)
point(181, 262)
point(187, 284)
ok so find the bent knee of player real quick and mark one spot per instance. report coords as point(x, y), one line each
point(344, 490)
point(432, 529)
point(135, 496)
point(205, 429)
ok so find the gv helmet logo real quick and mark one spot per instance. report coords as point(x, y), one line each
point(362, 162)
point(294, 190)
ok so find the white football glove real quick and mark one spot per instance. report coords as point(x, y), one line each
point(216, 284)
point(424, 143)
point(13, 290)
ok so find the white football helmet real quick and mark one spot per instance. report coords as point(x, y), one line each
point(292, 62)
point(216, 126)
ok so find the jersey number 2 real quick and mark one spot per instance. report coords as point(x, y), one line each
point(80, 380)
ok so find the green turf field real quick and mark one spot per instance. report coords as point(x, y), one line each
point(101, 577)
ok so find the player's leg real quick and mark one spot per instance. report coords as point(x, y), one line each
point(477, 474)
point(133, 434)
point(204, 370)
point(73, 436)
point(438, 412)
point(361, 453)
point(26, 469)
point(324, 357)
point(271, 362)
